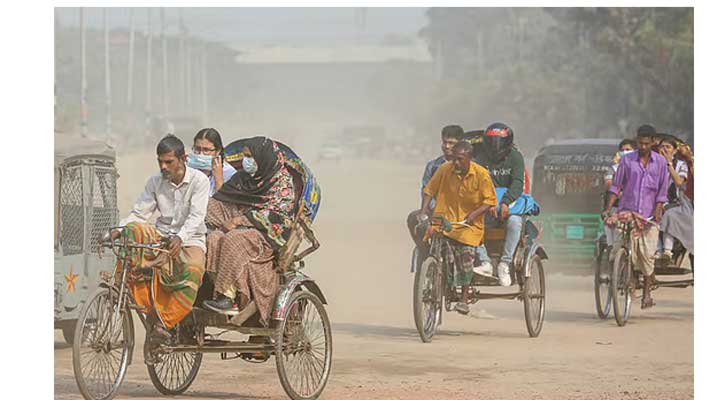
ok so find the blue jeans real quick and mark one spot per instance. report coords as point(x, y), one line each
point(513, 233)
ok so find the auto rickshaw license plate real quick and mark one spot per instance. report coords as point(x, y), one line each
point(575, 232)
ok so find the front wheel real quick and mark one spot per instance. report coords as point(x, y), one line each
point(101, 346)
point(427, 298)
point(621, 286)
point(304, 347)
point(602, 280)
point(534, 297)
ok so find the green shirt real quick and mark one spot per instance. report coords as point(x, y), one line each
point(508, 173)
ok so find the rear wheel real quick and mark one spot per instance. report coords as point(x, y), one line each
point(534, 297)
point(427, 298)
point(101, 346)
point(304, 347)
point(602, 280)
point(174, 372)
point(620, 287)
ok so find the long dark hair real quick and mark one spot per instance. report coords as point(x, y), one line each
point(213, 136)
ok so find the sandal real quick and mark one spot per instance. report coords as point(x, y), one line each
point(648, 302)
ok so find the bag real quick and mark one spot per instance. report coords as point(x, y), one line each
point(524, 205)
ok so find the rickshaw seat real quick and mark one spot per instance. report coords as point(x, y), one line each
point(494, 233)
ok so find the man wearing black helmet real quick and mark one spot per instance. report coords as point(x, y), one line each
point(505, 164)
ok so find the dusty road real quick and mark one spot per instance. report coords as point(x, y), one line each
point(363, 270)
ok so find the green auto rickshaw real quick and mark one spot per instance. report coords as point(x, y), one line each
point(568, 182)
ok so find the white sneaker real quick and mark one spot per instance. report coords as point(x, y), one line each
point(504, 278)
point(485, 269)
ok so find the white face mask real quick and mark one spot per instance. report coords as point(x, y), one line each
point(625, 152)
point(249, 165)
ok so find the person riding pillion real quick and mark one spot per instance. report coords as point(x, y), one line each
point(505, 164)
point(464, 192)
point(450, 136)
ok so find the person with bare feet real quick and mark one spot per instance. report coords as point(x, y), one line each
point(642, 180)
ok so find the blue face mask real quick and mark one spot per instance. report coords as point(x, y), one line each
point(249, 165)
point(625, 152)
point(199, 161)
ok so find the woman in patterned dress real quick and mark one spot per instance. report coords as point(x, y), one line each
point(249, 219)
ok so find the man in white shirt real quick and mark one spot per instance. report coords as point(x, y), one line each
point(180, 195)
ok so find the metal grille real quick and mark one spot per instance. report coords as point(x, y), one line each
point(104, 213)
point(71, 203)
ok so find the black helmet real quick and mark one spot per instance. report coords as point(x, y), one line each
point(498, 140)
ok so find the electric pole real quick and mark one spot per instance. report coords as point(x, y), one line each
point(131, 37)
point(84, 84)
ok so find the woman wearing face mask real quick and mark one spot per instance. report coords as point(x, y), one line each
point(249, 220)
point(626, 146)
point(207, 156)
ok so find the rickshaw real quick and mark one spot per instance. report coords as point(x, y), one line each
point(84, 207)
point(299, 335)
point(432, 294)
point(618, 297)
point(625, 279)
point(568, 180)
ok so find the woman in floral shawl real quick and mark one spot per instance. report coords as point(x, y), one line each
point(249, 220)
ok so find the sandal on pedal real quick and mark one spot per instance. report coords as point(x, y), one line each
point(648, 302)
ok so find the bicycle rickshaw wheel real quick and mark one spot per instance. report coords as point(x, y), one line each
point(621, 298)
point(602, 292)
point(427, 298)
point(101, 347)
point(535, 297)
point(303, 351)
point(174, 372)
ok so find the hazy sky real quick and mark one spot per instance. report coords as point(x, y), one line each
point(264, 25)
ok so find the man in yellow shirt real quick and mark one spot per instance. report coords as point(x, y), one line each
point(464, 192)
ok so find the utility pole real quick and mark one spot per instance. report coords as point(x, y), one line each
point(131, 37)
point(108, 72)
point(182, 61)
point(84, 84)
point(479, 53)
point(165, 67)
point(149, 42)
point(204, 109)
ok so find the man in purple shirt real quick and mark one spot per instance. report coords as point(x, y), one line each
point(641, 180)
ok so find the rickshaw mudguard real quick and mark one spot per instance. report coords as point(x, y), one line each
point(534, 249)
point(282, 300)
point(132, 342)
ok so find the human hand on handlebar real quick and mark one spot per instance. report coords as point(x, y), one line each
point(174, 246)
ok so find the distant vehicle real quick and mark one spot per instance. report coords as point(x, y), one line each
point(85, 206)
point(330, 151)
point(568, 182)
point(365, 141)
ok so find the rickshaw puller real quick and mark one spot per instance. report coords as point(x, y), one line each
point(464, 192)
point(180, 194)
point(643, 180)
